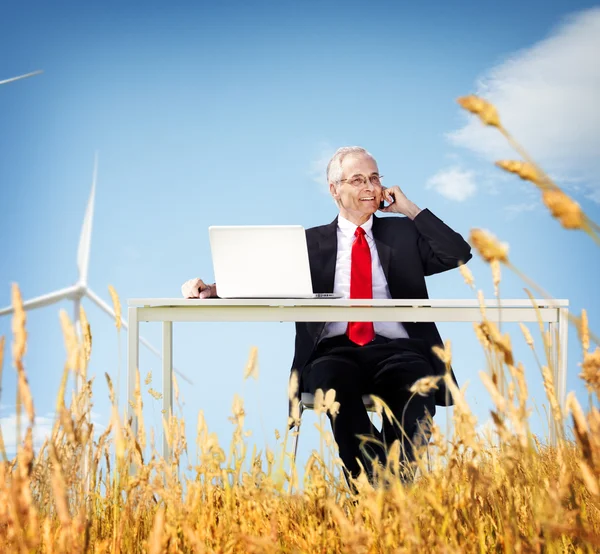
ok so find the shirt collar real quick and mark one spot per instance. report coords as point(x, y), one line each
point(348, 228)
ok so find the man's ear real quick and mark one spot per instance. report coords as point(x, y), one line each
point(334, 191)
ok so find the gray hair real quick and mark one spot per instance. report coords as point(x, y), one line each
point(334, 167)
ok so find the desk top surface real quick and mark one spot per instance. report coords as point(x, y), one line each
point(342, 302)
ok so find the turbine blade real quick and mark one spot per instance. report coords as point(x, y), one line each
point(158, 354)
point(45, 300)
point(106, 308)
point(100, 303)
point(85, 239)
point(12, 79)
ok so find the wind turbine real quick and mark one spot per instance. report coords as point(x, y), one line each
point(12, 79)
point(80, 289)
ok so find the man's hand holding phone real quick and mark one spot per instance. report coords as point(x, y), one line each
point(398, 202)
point(197, 288)
point(386, 196)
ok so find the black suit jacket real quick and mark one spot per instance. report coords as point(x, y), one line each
point(408, 250)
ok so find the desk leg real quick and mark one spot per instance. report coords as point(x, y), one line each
point(563, 341)
point(133, 360)
point(554, 361)
point(167, 382)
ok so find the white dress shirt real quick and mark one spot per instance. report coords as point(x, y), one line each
point(341, 285)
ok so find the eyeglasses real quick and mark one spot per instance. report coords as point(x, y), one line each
point(359, 180)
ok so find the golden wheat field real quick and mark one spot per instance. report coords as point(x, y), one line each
point(84, 492)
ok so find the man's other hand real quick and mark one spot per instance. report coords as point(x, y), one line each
point(197, 288)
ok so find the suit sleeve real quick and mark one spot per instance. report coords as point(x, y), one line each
point(440, 247)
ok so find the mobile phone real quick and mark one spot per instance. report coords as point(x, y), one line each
point(382, 205)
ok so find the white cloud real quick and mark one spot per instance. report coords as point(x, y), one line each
point(547, 97)
point(594, 194)
point(42, 429)
point(513, 210)
point(453, 183)
point(318, 167)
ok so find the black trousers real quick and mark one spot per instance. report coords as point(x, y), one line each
point(386, 368)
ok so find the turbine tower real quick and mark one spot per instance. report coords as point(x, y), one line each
point(80, 289)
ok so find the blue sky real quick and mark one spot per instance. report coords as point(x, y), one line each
point(206, 115)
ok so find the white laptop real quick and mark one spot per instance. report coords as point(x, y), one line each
point(261, 261)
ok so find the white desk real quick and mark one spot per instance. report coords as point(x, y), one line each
point(168, 310)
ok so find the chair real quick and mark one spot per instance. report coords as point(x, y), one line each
point(307, 402)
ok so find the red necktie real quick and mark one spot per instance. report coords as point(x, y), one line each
point(361, 286)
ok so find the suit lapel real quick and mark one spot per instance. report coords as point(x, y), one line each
point(383, 250)
point(328, 255)
point(328, 252)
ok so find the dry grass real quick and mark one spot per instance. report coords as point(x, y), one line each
point(77, 493)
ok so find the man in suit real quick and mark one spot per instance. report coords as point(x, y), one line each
point(359, 255)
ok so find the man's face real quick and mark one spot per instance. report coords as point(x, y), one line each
point(354, 196)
